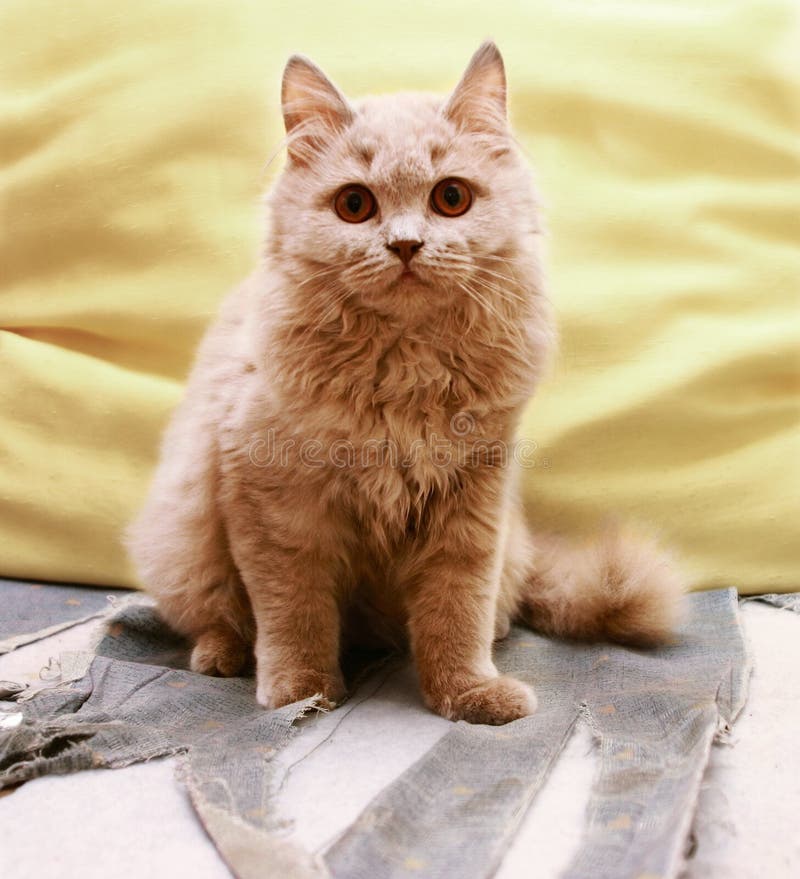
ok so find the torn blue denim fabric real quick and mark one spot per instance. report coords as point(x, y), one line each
point(127, 709)
point(655, 714)
point(454, 813)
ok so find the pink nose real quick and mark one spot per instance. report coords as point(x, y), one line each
point(405, 250)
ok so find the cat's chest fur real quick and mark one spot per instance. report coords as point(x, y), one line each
point(407, 393)
point(398, 420)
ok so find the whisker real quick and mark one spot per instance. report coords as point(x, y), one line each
point(484, 270)
point(502, 292)
point(327, 270)
point(477, 297)
point(511, 328)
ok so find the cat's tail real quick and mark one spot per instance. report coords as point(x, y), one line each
point(620, 587)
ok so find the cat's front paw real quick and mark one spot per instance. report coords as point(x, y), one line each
point(286, 687)
point(494, 701)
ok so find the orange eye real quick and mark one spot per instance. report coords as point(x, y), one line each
point(354, 203)
point(451, 197)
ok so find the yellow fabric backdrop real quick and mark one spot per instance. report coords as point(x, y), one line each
point(133, 139)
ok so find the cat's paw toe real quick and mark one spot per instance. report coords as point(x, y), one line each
point(288, 687)
point(502, 626)
point(495, 701)
point(220, 653)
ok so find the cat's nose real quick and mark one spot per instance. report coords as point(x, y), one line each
point(405, 249)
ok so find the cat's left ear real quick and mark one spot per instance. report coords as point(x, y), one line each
point(313, 108)
point(479, 100)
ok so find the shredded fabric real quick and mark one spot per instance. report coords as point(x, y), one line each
point(137, 702)
point(654, 713)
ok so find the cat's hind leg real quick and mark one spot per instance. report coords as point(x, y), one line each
point(179, 546)
point(179, 541)
point(182, 560)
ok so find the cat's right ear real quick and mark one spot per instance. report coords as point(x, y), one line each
point(313, 109)
point(479, 100)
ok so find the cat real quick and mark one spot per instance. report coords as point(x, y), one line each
point(340, 470)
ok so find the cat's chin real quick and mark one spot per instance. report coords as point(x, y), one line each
point(409, 296)
point(405, 296)
point(401, 310)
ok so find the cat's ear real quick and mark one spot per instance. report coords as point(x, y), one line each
point(479, 100)
point(313, 108)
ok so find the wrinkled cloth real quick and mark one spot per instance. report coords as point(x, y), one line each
point(655, 714)
point(31, 611)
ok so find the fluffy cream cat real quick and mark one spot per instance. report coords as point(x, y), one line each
point(341, 468)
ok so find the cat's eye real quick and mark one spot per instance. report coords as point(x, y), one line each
point(451, 197)
point(354, 203)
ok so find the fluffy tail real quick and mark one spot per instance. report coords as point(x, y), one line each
point(619, 587)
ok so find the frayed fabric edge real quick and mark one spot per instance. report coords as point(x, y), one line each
point(251, 852)
point(72, 665)
point(723, 734)
point(678, 857)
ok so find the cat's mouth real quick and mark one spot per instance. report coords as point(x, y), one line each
point(409, 277)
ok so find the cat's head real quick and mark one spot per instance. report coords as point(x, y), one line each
point(405, 203)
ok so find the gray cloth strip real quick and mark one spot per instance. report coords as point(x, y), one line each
point(31, 611)
point(655, 714)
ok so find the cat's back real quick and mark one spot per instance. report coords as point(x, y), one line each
point(229, 342)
